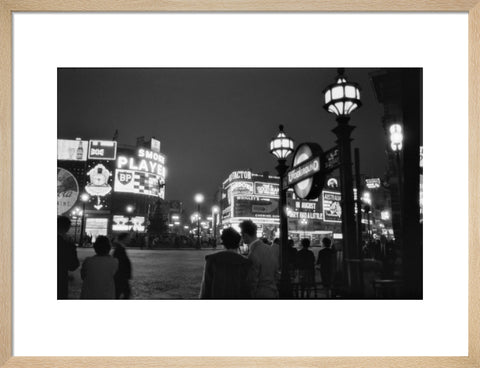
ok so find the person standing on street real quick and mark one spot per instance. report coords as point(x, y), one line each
point(264, 263)
point(98, 272)
point(226, 272)
point(305, 261)
point(66, 256)
point(124, 273)
point(326, 260)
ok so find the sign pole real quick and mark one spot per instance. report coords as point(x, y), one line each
point(285, 285)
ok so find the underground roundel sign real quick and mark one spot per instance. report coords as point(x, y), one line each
point(307, 175)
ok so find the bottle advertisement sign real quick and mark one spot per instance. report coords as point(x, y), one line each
point(67, 191)
point(72, 150)
point(332, 210)
point(102, 150)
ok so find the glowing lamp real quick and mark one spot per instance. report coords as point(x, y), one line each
point(281, 146)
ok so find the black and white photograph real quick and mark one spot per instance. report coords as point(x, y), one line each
point(240, 183)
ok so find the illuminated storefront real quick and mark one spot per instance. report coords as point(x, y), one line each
point(123, 183)
point(250, 196)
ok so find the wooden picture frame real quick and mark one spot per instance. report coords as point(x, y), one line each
point(7, 7)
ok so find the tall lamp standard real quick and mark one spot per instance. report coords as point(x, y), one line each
point(84, 198)
point(281, 146)
point(396, 143)
point(198, 199)
point(341, 99)
point(215, 211)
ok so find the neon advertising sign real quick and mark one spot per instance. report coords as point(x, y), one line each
point(146, 161)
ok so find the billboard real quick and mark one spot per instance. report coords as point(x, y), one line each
point(102, 150)
point(372, 183)
point(266, 189)
point(332, 210)
point(67, 191)
point(131, 181)
point(241, 187)
point(124, 223)
point(261, 207)
point(98, 185)
point(72, 150)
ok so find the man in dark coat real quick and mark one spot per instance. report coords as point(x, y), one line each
point(305, 261)
point(226, 272)
point(66, 256)
point(326, 260)
point(124, 273)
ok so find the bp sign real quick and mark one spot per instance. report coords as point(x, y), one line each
point(307, 175)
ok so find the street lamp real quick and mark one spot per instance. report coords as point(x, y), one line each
point(198, 199)
point(130, 210)
point(341, 99)
point(304, 223)
point(84, 198)
point(281, 146)
point(76, 213)
point(396, 143)
point(215, 211)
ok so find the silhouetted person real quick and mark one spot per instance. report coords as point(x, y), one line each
point(276, 250)
point(98, 272)
point(326, 260)
point(305, 262)
point(264, 268)
point(226, 272)
point(124, 273)
point(291, 258)
point(66, 256)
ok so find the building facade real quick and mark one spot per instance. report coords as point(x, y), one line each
point(109, 188)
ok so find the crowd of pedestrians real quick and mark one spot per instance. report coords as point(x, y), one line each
point(236, 274)
point(247, 268)
point(104, 276)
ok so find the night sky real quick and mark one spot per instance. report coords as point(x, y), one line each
point(214, 121)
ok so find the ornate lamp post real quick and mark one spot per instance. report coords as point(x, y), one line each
point(396, 143)
point(281, 146)
point(341, 99)
point(84, 198)
point(198, 199)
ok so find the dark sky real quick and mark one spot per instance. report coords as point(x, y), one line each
point(214, 121)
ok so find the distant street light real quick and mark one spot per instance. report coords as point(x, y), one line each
point(76, 213)
point(198, 199)
point(304, 223)
point(341, 99)
point(215, 215)
point(281, 147)
point(130, 210)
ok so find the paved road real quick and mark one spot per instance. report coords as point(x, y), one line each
point(157, 274)
point(160, 274)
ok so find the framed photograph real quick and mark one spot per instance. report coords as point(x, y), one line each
point(239, 184)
